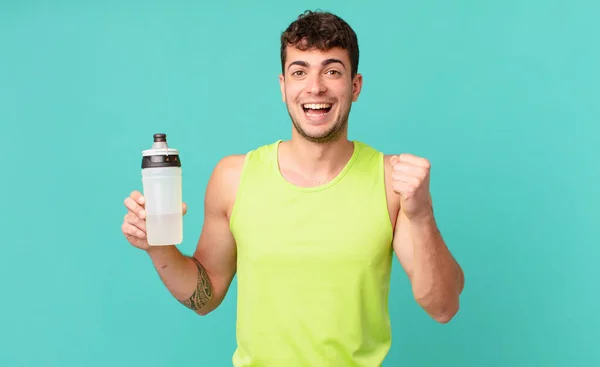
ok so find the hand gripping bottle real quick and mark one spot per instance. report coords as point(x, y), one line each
point(161, 179)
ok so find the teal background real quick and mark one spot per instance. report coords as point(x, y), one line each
point(502, 96)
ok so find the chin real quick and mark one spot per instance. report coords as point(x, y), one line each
point(322, 132)
point(318, 122)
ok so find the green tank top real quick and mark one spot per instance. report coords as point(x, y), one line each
point(313, 265)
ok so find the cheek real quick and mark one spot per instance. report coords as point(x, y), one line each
point(293, 92)
point(343, 90)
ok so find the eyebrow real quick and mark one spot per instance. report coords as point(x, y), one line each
point(324, 63)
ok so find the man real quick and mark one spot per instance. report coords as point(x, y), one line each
point(310, 225)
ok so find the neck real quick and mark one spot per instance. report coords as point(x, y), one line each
point(315, 162)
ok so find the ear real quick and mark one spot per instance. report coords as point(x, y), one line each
point(356, 86)
point(282, 86)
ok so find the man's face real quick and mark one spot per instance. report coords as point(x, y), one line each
point(318, 89)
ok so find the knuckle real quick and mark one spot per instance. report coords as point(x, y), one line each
point(130, 230)
point(135, 232)
point(131, 205)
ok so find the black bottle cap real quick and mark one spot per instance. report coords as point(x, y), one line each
point(154, 161)
point(160, 155)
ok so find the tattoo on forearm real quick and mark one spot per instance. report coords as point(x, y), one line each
point(203, 292)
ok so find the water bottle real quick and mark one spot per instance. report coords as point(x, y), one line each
point(161, 179)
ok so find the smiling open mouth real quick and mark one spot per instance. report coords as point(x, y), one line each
point(316, 109)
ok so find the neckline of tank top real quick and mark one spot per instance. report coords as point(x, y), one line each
point(310, 189)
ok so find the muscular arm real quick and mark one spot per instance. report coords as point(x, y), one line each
point(200, 282)
point(436, 278)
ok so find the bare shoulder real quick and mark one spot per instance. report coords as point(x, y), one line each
point(224, 182)
point(393, 198)
point(230, 167)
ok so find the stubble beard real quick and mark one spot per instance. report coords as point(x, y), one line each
point(333, 134)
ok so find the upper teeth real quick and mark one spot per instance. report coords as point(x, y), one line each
point(316, 106)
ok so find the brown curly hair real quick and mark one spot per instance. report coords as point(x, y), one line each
point(321, 30)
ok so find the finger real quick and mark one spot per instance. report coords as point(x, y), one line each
point(134, 207)
point(406, 190)
point(138, 197)
point(184, 208)
point(405, 178)
point(133, 232)
point(132, 219)
point(393, 160)
point(410, 169)
point(413, 159)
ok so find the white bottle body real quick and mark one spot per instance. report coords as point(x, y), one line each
point(164, 206)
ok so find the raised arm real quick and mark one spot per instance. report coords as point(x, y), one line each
point(200, 282)
point(437, 279)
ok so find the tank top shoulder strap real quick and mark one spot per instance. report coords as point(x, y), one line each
point(257, 171)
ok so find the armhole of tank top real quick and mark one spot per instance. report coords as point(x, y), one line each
point(385, 198)
point(240, 191)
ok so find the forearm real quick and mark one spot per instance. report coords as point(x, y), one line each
point(437, 279)
point(184, 277)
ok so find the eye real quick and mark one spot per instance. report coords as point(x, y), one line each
point(333, 72)
point(297, 73)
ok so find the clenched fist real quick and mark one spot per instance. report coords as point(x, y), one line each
point(410, 179)
point(134, 223)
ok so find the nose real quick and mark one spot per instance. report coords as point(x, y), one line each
point(316, 84)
